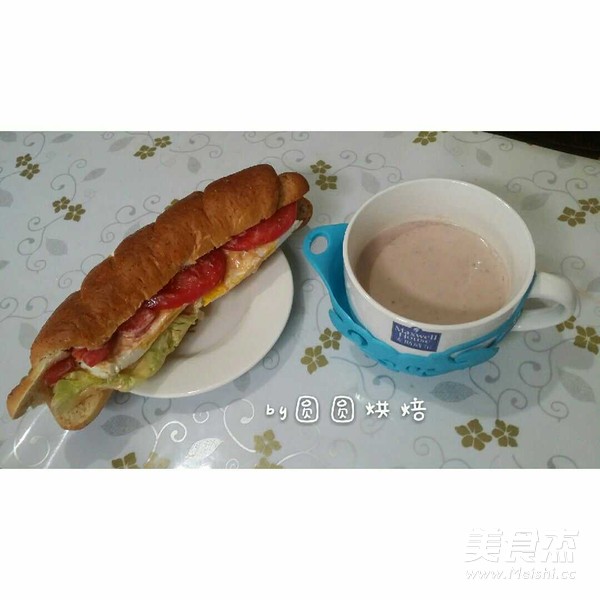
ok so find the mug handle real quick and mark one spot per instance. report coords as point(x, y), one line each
point(554, 289)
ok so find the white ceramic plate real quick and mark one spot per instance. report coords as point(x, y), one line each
point(236, 332)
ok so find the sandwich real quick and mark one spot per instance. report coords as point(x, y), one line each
point(135, 307)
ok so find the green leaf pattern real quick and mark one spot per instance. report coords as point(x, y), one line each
point(266, 444)
point(314, 359)
point(330, 339)
point(129, 461)
point(146, 151)
point(587, 207)
point(324, 181)
point(586, 337)
point(426, 137)
point(473, 435)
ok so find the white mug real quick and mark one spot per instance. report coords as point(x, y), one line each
point(479, 211)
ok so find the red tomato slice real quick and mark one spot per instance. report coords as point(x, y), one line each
point(95, 356)
point(266, 231)
point(138, 323)
point(192, 282)
point(59, 370)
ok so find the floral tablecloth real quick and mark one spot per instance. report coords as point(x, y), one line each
point(67, 199)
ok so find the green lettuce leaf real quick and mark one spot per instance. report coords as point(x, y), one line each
point(156, 355)
point(68, 389)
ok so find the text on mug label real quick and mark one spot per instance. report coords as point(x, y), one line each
point(414, 337)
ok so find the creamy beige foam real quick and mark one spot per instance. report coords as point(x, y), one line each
point(434, 272)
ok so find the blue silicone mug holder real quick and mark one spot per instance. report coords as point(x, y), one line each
point(329, 265)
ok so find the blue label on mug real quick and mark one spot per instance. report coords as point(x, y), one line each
point(414, 337)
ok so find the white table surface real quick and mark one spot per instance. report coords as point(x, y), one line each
point(535, 405)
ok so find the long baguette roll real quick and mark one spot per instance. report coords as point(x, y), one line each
point(142, 264)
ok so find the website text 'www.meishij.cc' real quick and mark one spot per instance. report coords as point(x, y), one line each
point(526, 554)
point(517, 573)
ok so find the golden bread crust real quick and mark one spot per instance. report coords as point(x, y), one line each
point(31, 391)
point(89, 407)
point(305, 211)
point(146, 261)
